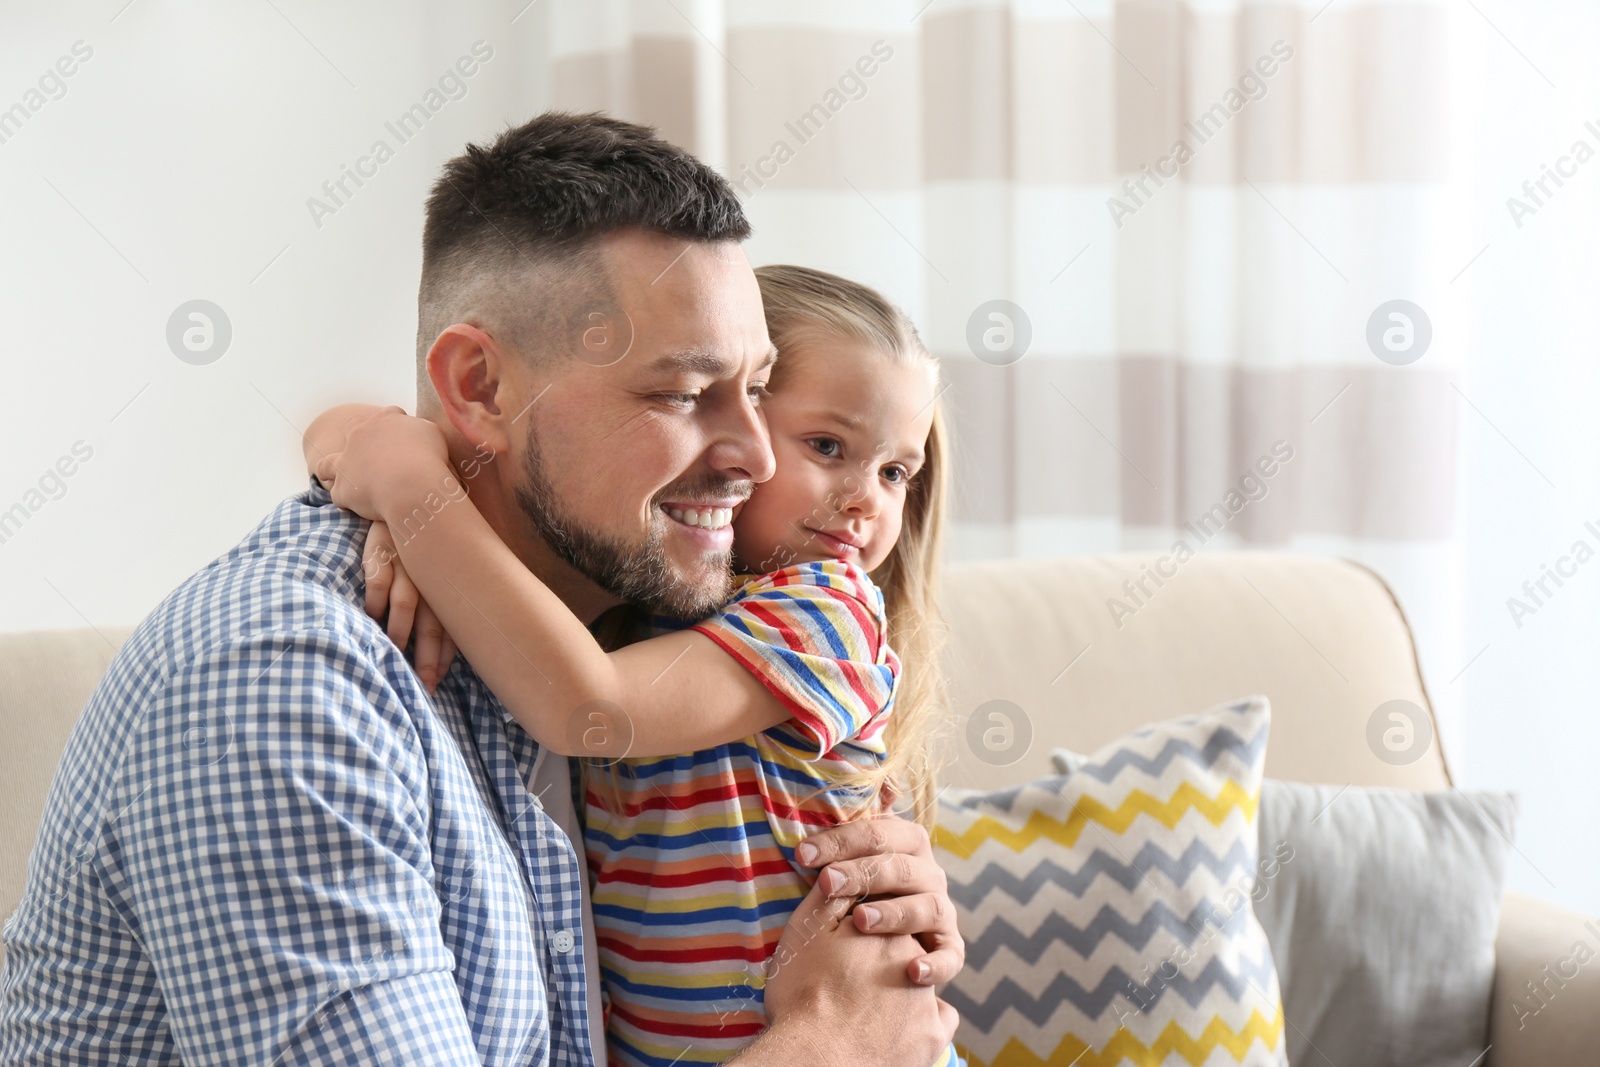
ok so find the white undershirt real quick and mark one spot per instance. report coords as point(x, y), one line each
point(551, 782)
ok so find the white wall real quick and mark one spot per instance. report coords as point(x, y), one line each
point(177, 166)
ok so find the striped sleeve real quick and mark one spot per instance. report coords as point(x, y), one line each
point(814, 634)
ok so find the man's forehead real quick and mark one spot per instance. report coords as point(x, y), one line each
point(652, 260)
point(712, 363)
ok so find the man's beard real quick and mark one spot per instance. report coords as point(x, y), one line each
point(638, 574)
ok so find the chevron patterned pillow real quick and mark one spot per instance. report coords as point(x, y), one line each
point(1107, 912)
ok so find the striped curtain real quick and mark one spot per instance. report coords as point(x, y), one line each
point(1189, 265)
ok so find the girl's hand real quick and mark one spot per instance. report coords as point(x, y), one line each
point(390, 589)
point(387, 459)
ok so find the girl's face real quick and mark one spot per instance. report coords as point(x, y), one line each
point(848, 426)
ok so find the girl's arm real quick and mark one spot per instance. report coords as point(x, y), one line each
point(675, 693)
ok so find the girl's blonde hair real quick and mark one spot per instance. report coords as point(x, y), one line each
point(804, 305)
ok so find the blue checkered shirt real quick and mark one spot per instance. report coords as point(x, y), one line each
point(266, 844)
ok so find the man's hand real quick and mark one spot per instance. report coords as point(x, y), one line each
point(889, 863)
point(851, 980)
point(837, 995)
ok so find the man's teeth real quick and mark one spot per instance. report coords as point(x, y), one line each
point(707, 518)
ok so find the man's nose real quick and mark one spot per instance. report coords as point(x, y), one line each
point(745, 449)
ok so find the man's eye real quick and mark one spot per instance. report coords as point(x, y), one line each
point(826, 446)
point(681, 400)
point(758, 392)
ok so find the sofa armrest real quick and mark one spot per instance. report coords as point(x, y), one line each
point(1558, 951)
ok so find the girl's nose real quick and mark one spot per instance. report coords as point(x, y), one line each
point(862, 503)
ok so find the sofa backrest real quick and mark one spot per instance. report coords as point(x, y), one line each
point(46, 677)
point(1323, 639)
point(1083, 659)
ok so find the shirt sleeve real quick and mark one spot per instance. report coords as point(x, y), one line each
point(815, 635)
point(276, 865)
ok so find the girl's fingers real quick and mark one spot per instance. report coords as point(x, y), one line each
point(327, 469)
point(403, 599)
point(377, 567)
point(427, 656)
point(390, 590)
point(447, 655)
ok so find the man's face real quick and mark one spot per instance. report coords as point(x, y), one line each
point(652, 419)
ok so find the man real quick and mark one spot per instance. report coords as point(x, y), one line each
point(267, 844)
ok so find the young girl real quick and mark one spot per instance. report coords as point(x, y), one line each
point(807, 700)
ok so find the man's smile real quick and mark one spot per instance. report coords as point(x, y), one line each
point(708, 524)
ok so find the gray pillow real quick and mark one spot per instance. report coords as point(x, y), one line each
point(1381, 915)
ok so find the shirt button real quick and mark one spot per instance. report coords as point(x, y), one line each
point(563, 941)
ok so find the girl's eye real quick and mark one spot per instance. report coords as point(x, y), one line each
point(826, 446)
point(896, 474)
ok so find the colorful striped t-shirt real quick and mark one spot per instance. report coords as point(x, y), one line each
point(694, 873)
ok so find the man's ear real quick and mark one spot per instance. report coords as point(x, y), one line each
point(475, 383)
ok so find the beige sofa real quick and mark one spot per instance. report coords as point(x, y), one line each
point(1323, 639)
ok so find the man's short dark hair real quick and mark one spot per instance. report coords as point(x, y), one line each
point(508, 244)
